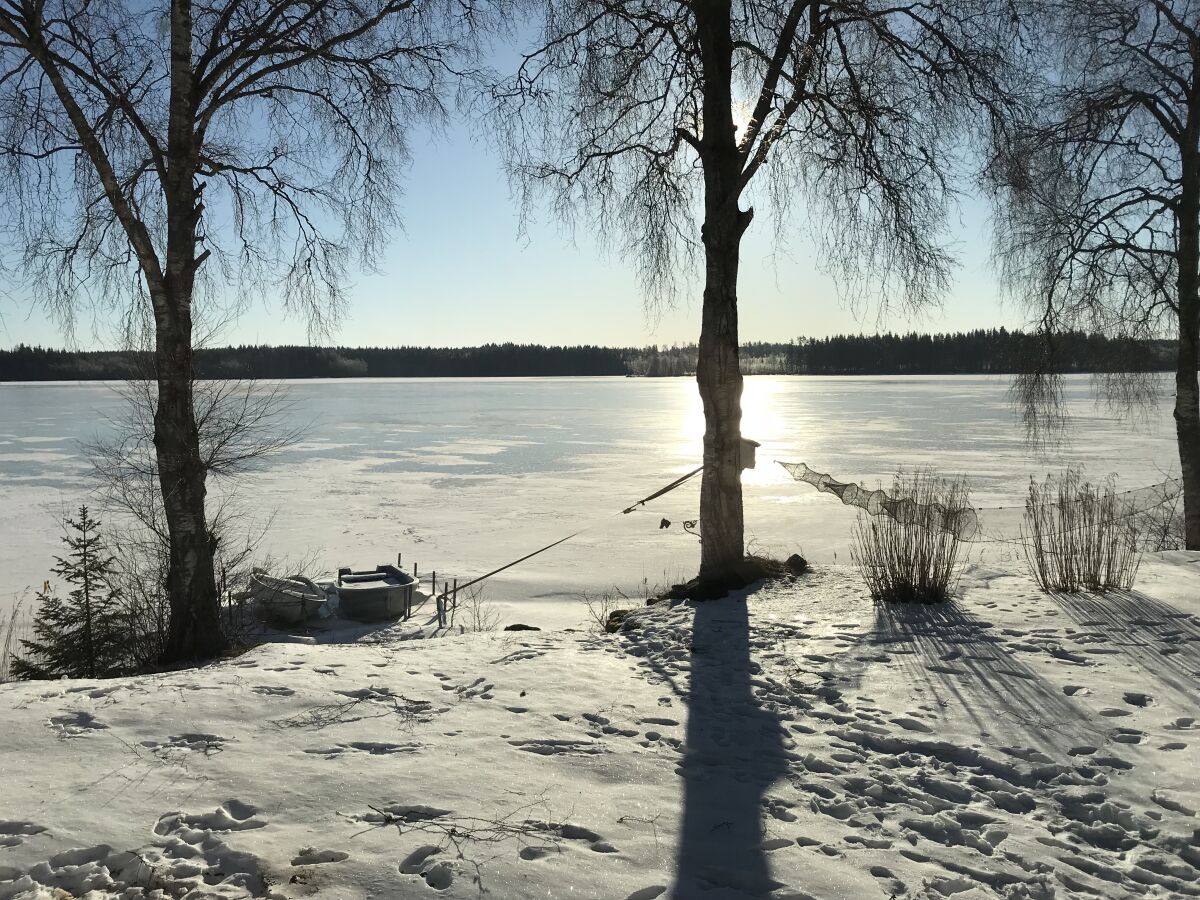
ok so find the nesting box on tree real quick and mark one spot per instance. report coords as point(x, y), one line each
point(747, 452)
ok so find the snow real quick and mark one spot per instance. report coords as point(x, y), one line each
point(792, 741)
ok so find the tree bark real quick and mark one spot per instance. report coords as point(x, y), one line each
point(85, 562)
point(718, 372)
point(195, 629)
point(1187, 388)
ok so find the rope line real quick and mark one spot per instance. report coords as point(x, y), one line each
point(670, 487)
point(664, 490)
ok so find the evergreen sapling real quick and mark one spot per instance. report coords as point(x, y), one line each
point(83, 635)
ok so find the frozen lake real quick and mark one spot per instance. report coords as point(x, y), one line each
point(465, 475)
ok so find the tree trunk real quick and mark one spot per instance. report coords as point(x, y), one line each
point(718, 373)
point(720, 381)
point(195, 628)
point(84, 560)
point(1187, 389)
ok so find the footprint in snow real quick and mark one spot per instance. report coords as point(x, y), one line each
point(438, 875)
point(1127, 735)
point(75, 724)
point(532, 852)
point(373, 748)
point(945, 670)
point(1172, 801)
point(1112, 762)
point(910, 724)
point(413, 863)
point(232, 815)
point(273, 690)
point(309, 856)
point(400, 812)
point(381, 694)
point(181, 745)
point(93, 692)
point(558, 747)
point(480, 687)
point(1067, 656)
point(15, 833)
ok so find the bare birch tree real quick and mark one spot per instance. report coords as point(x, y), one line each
point(1099, 223)
point(659, 116)
point(158, 154)
point(241, 424)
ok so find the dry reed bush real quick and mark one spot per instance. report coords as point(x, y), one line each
point(13, 630)
point(908, 558)
point(1079, 536)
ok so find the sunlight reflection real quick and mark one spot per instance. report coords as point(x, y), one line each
point(761, 421)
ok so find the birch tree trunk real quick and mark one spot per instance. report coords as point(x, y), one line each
point(718, 373)
point(1187, 388)
point(195, 631)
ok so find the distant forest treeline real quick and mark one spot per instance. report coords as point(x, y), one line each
point(992, 351)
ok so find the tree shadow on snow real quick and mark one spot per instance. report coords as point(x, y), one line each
point(1156, 636)
point(734, 753)
point(963, 662)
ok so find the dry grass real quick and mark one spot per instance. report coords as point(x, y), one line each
point(1160, 521)
point(907, 559)
point(12, 630)
point(1079, 536)
point(602, 604)
point(478, 612)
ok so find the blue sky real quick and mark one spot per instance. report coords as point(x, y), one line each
point(459, 274)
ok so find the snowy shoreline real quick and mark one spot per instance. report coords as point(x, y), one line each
point(795, 743)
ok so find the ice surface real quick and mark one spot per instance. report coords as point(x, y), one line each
point(463, 476)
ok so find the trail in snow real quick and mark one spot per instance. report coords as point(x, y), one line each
point(795, 743)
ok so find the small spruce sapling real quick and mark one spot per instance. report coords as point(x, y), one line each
point(85, 634)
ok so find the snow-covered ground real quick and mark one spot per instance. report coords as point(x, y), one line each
point(790, 741)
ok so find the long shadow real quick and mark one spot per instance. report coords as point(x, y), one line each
point(964, 663)
point(1156, 636)
point(734, 753)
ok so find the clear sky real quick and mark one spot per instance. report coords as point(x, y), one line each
point(459, 275)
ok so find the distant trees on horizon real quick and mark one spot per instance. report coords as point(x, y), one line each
point(982, 351)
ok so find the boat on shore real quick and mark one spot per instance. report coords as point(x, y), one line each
point(287, 601)
point(375, 596)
